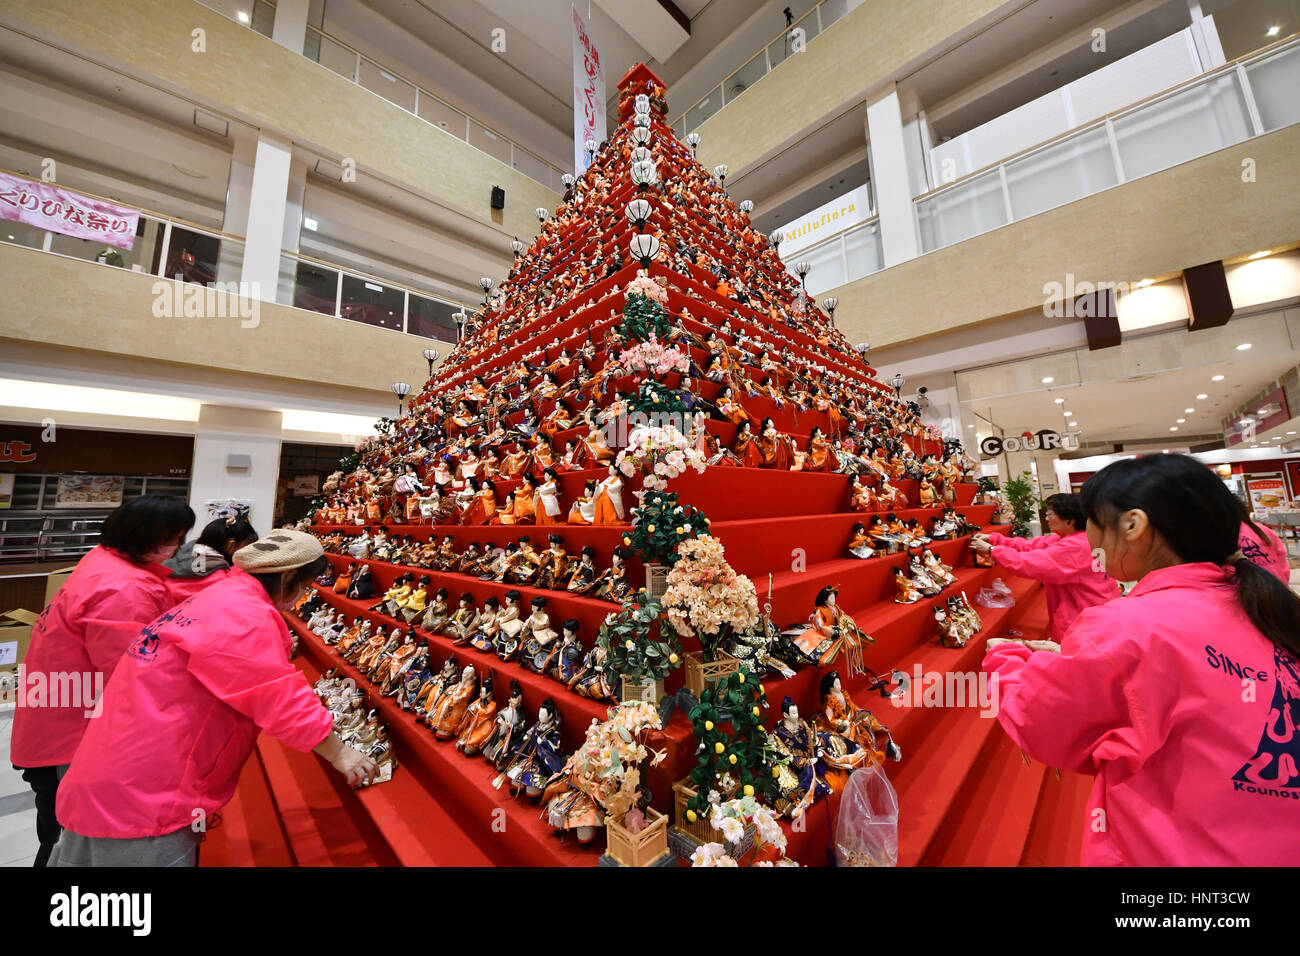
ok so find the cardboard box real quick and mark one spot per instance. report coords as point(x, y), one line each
point(55, 581)
point(15, 635)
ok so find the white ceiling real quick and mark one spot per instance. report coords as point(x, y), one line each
point(1139, 390)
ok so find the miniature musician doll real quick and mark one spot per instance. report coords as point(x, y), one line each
point(860, 542)
point(538, 638)
point(362, 587)
point(510, 626)
point(508, 729)
point(451, 707)
point(565, 659)
point(828, 630)
point(484, 635)
point(415, 605)
point(540, 755)
point(434, 688)
point(612, 583)
point(906, 591)
point(547, 499)
point(583, 577)
point(553, 572)
point(437, 614)
point(583, 511)
point(479, 722)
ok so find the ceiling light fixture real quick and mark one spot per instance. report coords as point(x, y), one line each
point(1048, 380)
point(1261, 254)
point(1202, 397)
point(1273, 31)
point(1189, 411)
point(1073, 424)
point(1060, 401)
point(1217, 378)
point(243, 18)
point(1142, 284)
point(1181, 421)
point(1173, 428)
point(1243, 346)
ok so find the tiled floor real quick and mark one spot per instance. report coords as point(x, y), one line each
point(17, 810)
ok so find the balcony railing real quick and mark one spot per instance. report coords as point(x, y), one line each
point(174, 248)
point(774, 53)
point(348, 62)
point(852, 254)
point(1236, 102)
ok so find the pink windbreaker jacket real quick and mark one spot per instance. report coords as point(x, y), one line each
point(1269, 554)
point(76, 643)
point(1183, 711)
point(1064, 565)
point(183, 712)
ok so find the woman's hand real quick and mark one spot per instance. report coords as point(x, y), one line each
point(355, 766)
point(981, 545)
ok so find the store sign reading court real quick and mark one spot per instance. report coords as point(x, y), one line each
point(1046, 439)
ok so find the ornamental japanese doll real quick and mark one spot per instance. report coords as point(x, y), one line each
point(540, 756)
point(446, 714)
point(840, 715)
point(478, 724)
point(795, 744)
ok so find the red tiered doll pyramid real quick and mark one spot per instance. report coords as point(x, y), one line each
point(724, 284)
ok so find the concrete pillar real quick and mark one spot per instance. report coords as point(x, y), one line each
point(290, 28)
point(236, 456)
point(899, 236)
point(267, 204)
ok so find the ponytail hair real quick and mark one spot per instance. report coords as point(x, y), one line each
point(1200, 520)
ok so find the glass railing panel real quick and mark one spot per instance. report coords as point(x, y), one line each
point(827, 262)
point(263, 18)
point(1061, 173)
point(961, 211)
point(482, 138)
point(431, 318)
point(378, 80)
point(315, 287)
point(194, 256)
point(332, 55)
point(435, 111)
point(1193, 122)
point(1275, 80)
point(532, 167)
point(21, 234)
point(745, 77)
point(704, 109)
point(372, 303)
point(833, 10)
point(862, 252)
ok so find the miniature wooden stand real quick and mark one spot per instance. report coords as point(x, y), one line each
point(656, 579)
point(648, 691)
point(647, 848)
point(701, 673)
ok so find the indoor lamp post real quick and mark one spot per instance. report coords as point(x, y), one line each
point(898, 382)
point(401, 390)
point(430, 356)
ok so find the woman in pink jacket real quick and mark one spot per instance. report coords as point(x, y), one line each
point(116, 589)
point(1062, 560)
point(184, 710)
point(1263, 547)
point(1183, 698)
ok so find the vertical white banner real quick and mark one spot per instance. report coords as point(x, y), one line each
point(588, 93)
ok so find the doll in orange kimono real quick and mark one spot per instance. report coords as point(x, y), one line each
point(830, 629)
point(609, 499)
point(484, 504)
point(777, 449)
point(729, 408)
point(525, 504)
point(583, 511)
point(478, 723)
point(452, 704)
point(546, 498)
point(820, 457)
point(746, 447)
point(840, 715)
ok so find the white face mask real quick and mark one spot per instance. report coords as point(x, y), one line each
point(162, 554)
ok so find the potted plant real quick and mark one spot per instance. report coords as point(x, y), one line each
point(1023, 500)
point(659, 525)
point(641, 660)
point(751, 836)
point(708, 600)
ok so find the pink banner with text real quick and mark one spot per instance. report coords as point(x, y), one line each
point(58, 210)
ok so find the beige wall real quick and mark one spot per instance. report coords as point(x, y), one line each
point(71, 304)
point(870, 46)
point(1190, 214)
point(246, 75)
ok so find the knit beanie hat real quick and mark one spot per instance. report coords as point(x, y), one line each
point(279, 551)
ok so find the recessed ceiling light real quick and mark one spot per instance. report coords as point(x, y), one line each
point(1067, 414)
point(11, 237)
point(309, 223)
point(1243, 346)
point(1173, 428)
point(1189, 410)
point(1059, 401)
point(1273, 31)
point(1181, 421)
point(1072, 424)
point(1048, 380)
point(1290, 433)
point(1261, 254)
point(1164, 451)
point(1202, 397)
point(243, 18)
point(1216, 378)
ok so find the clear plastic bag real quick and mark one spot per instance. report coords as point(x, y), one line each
point(996, 595)
point(866, 832)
